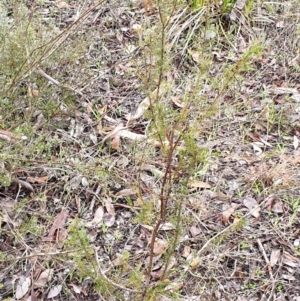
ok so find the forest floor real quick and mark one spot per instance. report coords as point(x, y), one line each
point(115, 114)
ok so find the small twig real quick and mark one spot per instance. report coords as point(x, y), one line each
point(260, 246)
point(19, 189)
point(227, 228)
point(110, 281)
point(266, 258)
point(57, 83)
point(94, 197)
point(58, 40)
point(39, 254)
point(133, 208)
point(48, 77)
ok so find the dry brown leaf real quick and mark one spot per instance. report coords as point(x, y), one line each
point(199, 184)
point(159, 268)
point(148, 6)
point(277, 207)
point(98, 215)
point(295, 160)
point(61, 236)
point(174, 287)
point(295, 95)
point(138, 202)
point(142, 108)
point(178, 102)
point(252, 205)
point(98, 218)
point(167, 227)
point(186, 251)
point(196, 55)
point(155, 171)
point(58, 222)
point(220, 196)
point(54, 291)
point(112, 134)
point(274, 257)
point(269, 203)
point(265, 142)
point(171, 264)
point(226, 215)
point(125, 192)
point(160, 246)
point(236, 219)
point(115, 144)
point(131, 135)
point(147, 227)
point(290, 263)
point(157, 274)
point(109, 206)
point(195, 231)
point(44, 277)
point(22, 287)
point(61, 4)
point(7, 205)
point(23, 184)
point(145, 104)
point(35, 93)
point(37, 180)
point(290, 257)
point(77, 289)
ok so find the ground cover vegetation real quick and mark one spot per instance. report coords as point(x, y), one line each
point(149, 150)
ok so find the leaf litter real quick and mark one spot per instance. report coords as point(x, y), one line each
point(250, 186)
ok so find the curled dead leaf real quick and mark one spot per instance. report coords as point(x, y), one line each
point(113, 133)
point(226, 215)
point(145, 104)
point(23, 184)
point(178, 102)
point(58, 222)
